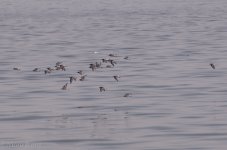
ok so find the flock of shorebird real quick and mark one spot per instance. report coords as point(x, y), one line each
point(104, 63)
point(109, 63)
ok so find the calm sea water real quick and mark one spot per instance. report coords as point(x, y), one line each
point(177, 101)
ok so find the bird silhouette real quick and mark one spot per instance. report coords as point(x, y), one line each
point(212, 65)
point(80, 72)
point(71, 79)
point(64, 86)
point(116, 78)
point(127, 94)
point(101, 89)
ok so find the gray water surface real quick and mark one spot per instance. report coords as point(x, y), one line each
point(176, 102)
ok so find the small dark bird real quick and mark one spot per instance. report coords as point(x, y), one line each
point(98, 65)
point(116, 78)
point(82, 78)
point(50, 69)
point(62, 67)
point(92, 66)
point(47, 71)
point(101, 89)
point(126, 57)
point(71, 79)
point(127, 94)
point(80, 72)
point(112, 62)
point(64, 87)
point(35, 70)
point(16, 69)
point(213, 66)
point(104, 60)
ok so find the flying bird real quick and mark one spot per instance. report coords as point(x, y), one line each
point(35, 70)
point(80, 72)
point(212, 65)
point(98, 65)
point(126, 57)
point(64, 87)
point(104, 60)
point(71, 79)
point(101, 89)
point(62, 67)
point(92, 66)
point(127, 94)
point(116, 78)
point(47, 71)
point(16, 69)
point(50, 69)
point(112, 62)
